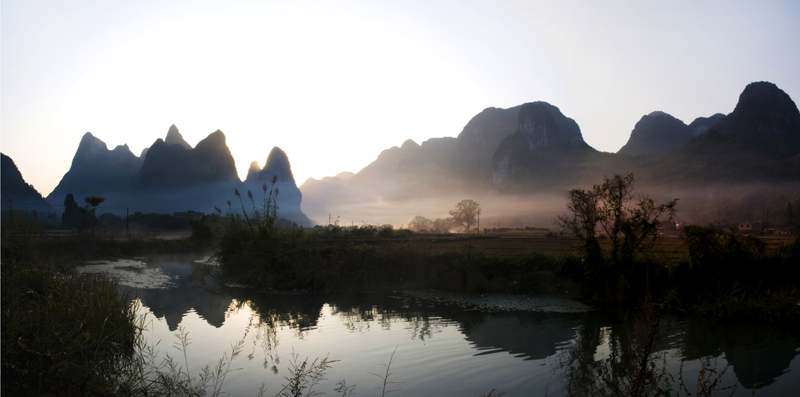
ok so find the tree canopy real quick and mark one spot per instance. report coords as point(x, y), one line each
point(627, 220)
point(466, 213)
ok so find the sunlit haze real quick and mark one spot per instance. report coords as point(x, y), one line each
point(334, 83)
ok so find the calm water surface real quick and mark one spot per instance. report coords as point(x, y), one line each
point(439, 348)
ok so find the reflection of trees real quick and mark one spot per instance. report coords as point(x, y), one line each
point(358, 314)
point(605, 351)
point(756, 353)
point(617, 358)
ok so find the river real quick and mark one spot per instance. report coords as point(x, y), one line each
point(431, 343)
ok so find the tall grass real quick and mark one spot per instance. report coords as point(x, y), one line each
point(63, 333)
point(253, 249)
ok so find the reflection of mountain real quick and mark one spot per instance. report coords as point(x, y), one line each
point(756, 353)
point(278, 309)
point(187, 293)
point(533, 337)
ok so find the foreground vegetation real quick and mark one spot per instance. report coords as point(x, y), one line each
point(716, 272)
point(69, 333)
point(63, 333)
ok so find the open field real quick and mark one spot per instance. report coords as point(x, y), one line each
point(514, 243)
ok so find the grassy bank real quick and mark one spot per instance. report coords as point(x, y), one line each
point(63, 333)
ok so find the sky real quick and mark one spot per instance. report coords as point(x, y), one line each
point(333, 83)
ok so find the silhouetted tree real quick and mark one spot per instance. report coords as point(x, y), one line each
point(627, 220)
point(466, 213)
point(72, 217)
point(92, 202)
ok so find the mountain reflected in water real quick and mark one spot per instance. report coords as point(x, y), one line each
point(756, 354)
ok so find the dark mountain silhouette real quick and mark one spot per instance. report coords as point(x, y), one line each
point(535, 149)
point(278, 169)
point(702, 124)
point(759, 142)
point(172, 177)
point(17, 193)
point(657, 132)
point(660, 132)
point(96, 171)
point(174, 137)
point(546, 148)
point(480, 138)
point(439, 164)
point(169, 167)
point(765, 118)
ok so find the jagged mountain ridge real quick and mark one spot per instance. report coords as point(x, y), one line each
point(759, 142)
point(169, 166)
point(277, 174)
point(172, 177)
point(95, 170)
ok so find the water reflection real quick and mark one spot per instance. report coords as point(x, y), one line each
point(562, 346)
point(192, 288)
point(757, 354)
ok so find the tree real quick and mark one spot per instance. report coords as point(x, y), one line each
point(92, 202)
point(72, 217)
point(629, 222)
point(465, 213)
point(442, 225)
point(420, 224)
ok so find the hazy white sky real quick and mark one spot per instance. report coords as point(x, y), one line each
point(335, 82)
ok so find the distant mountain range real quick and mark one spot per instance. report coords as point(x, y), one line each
point(171, 176)
point(723, 167)
point(533, 149)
